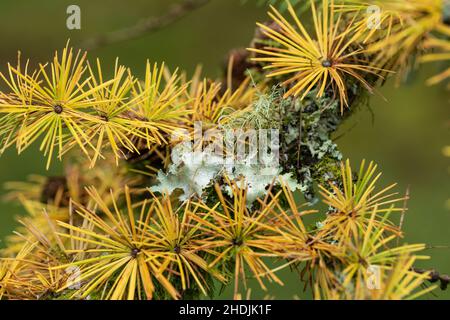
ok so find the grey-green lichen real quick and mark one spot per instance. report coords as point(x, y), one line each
point(193, 172)
point(307, 154)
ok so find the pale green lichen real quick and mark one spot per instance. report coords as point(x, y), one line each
point(193, 172)
point(308, 154)
point(190, 171)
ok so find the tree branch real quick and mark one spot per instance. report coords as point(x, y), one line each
point(435, 277)
point(151, 24)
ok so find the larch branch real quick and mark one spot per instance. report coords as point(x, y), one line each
point(151, 24)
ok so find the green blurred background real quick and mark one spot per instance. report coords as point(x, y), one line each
point(404, 135)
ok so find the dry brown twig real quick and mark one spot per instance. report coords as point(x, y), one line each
point(151, 24)
point(435, 277)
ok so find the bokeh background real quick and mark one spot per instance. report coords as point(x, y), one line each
point(404, 135)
